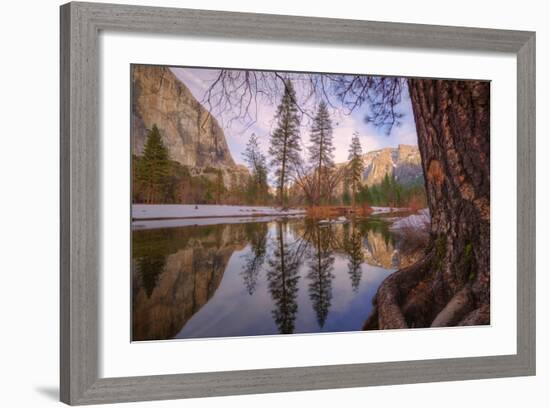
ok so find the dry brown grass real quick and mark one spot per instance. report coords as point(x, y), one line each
point(323, 212)
point(415, 204)
point(328, 212)
point(364, 210)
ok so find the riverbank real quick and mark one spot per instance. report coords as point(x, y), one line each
point(190, 222)
point(176, 211)
point(191, 211)
point(417, 221)
point(151, 216)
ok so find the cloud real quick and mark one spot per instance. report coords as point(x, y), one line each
point(237, 133)
point(406, 133)
point(343, 129)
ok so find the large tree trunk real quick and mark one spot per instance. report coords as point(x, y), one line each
point(451, 284)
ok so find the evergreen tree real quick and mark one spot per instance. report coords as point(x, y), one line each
point(355, 166)
point(256, 160)
point(346, 197)
point(153, 168)
point(285, 140)
point(321, 150)
point(220, 187)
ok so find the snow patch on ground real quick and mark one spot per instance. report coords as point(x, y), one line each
point(420, 220)
point(172, 211)
point(189, 222)
point(387, 210)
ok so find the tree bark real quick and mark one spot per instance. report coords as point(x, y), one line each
point(451, 284)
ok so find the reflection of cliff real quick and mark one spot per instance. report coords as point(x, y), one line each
point(190, 265)
point(383, 252)
point(379, 251)
point(378, 247)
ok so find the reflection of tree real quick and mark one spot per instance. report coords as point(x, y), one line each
point(149, 269)
point(320, 270)
point(257, 236)
point(353, 246)
point(283, 279)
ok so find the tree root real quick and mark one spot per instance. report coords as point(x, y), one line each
point(406, 299)
point(372, 321)
point(456, 309)
point(477, 317)
point(387, 313)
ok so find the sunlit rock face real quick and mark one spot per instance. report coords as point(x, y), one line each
point(169, 288)
point(402, 162)
point(192, 135)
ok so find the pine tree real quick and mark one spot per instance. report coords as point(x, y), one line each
point(355, 166)
point(256, 160)
point(153, 167)
point(285, 140)
point(321, 150)
point(220, 187)
point(346, 196)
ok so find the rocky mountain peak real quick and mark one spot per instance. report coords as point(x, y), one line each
point(403, 162)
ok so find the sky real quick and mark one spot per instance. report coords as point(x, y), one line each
point(344, 125)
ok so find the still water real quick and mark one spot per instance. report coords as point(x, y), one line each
point(259, 278)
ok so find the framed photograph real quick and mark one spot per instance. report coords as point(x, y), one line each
point(259, 203)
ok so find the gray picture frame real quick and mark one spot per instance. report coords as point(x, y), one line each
point(80, 237)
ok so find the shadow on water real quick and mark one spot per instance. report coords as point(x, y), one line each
point(257, 278)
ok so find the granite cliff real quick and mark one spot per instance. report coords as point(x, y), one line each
point(402, 162)
point(192, 135)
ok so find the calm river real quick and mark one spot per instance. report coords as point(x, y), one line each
point(259, 278)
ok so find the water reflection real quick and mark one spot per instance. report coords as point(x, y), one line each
point(354, 250)
point(149, 269)
point(256, 234)
point(258, 278)
point(321, 266)
point(282, 277)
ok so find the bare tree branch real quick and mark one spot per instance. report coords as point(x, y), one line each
point(239, 93)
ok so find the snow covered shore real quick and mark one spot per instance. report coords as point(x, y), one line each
point(189, 222)
point(148, 216)
point(418, 221)
point(387, 210)
point(175, 211)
